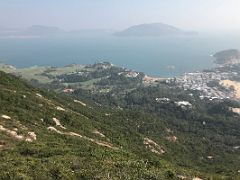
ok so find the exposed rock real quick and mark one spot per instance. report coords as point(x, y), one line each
point(57, 122)
point(55, 130)
point(32, 135)
point(233, 85)
point(60, 108)
point(235, 110)
point(172, 138)
point(181, 177)
point(98, 133)
point(101, 143)
point(236, 147)
point(210, 157)
point(75, 134)
point(168, 130)
point(153, 146)
point(80, 102)
point(39, 95)
point(6, 117)
point(28, 139)
point(197, 178)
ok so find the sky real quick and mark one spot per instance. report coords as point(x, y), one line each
point(197, 15)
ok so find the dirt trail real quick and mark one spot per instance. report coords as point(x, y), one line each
point(100, 143)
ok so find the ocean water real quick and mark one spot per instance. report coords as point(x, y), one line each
point(161, 57)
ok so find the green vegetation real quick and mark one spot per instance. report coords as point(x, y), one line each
point(198, 141)
point(99, 77)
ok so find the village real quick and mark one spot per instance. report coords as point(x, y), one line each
point(211, 84)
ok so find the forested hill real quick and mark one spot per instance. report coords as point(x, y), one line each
point(44, 135)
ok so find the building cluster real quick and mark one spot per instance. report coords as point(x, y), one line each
point(207, 83)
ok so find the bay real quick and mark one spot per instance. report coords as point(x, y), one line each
point(155, 56)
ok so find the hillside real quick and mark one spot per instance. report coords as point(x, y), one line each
point(63, 138)
point(68, 138)
point(99, 78)
point(230, 56)
point(154, 29)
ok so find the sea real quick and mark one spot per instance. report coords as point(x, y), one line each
point(155, 56)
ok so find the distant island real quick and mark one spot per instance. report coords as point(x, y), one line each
point(231, 56)
point(29, 32)
point(37, 31)
point(154, 29)
point(142, 30)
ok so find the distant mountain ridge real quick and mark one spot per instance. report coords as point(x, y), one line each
point(153, 29)
point(32, 31)
point(49, 31)
point(42, 30)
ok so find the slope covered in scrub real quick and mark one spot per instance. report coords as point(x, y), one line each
point(44, 135)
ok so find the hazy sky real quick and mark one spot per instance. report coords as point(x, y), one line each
point(197, 15)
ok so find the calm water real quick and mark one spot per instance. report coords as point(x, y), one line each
point(164, 57)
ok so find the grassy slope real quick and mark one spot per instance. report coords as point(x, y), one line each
point(60, 156)
point(56, 156)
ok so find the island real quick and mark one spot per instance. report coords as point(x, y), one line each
point(153, 29)
point(231, 56)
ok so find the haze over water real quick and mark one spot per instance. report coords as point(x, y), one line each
point(155, 56)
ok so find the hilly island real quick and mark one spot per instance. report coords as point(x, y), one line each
point(154, 30)
point(102, 121)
